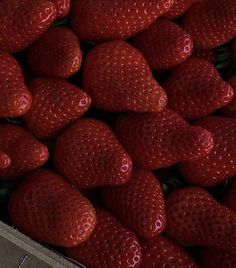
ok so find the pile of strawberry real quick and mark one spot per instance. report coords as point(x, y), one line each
point(118, 129)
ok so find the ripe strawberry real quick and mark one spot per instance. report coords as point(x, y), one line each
point(48, 209)
point(105, 20)
point(195, 218)
point(206, 54)
point(118, 78)
point(56, 104)
point(63, 7)
point(163, 253)
point(195, 89)
point(20, 29)
point(89, 155)
point(164, 44)
point(139, 204)
point(110, 245)
point(15, 98)
point(230, 198)
point(24, 151)
point(56, 54)
point(230, 109)
point(220, 164)
point(162, 139)
point(211, 23)
point(5, 161)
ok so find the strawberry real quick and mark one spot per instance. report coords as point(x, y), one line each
point(20, 29)
point(89, 155)
point(15, 98)
point(195, 218)
point(110, 245)
point(230, 109)
point(5, 161)
point(195, 89)
point(211, 23)
point(56, 104)
point(162, 139)
point(48, 209)
point(220, 164)
point(105, 20)
point(206, 54)
point(164, 44)
point(139, 204)
point(230, 198)
point(24, 151)
point(56, 54)
point(118, 78)
point(63, 7)
point(163, 253)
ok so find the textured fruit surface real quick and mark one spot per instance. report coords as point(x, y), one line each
point(48, 209)
point(220, 164)
point(195, 89)
point(179, 8)
point(89, 155)
point(206, 54)
point(63, 7)
point(230, 109)
point(118, 78)
point(20, 29)
point(4, 160)
point(230, 197)
point(110, 245)
point(105, 20)
point(138, 204)
point(194, 217)
point(57, 53)
point(56, 104)
point(162, 139)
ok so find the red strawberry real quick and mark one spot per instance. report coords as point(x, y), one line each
point(24, 151)
point(194, 218)
point(15, 98)
point(163, 253)
point(230, 109)
point(23, 21)
point(110, 245)
point(211, 23)
point(89, 155)
point(56, 104)
point(195, 89)
point(5, 161)
point(220, 164)
point(206, 54)
point(139, 204)
point(48, 209)
point(162, 139)
point(63, 7)
point(56, 54)
point(105, 20)
point(230, 198)
point(118, 78)
point(164, 44)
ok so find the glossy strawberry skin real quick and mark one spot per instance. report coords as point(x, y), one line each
point(164, 44)
point(230, 197)
point(89, 155)
point(195, 218)
point(5, 161)
point(48, 209)
point(94, 20)
point(110, 245)
point(56, 104)
point(57, 54)
point(195, 89)
point(63, 7)
point(230, 109)
point(138, 204)
point(118, 78)
point(20, 29)
point(220, 164)
point(162, 139)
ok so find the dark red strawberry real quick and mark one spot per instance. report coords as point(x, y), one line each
point(211, 23)
point(19, 29)
point(220, 164)
point(164, 44)
point(5, 161)
point(48, 209)
point(163, 253)
point(230, 109)
point(15, 98)
point(139, 204)
point(230, 197)
point(162, 139)
point(195, 89)
point(56, 54)
point(105, 20)
point(206, 54)
point(195, 218)
point(118, 78)
point(56, 104)
point(63, 7)
point(24, 151)
point(89, 155)
point(110, 245)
